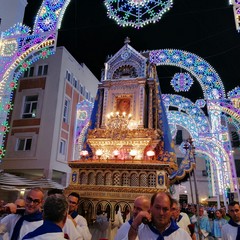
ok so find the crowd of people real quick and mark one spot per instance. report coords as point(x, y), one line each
point(45, 219)
point(159, 218)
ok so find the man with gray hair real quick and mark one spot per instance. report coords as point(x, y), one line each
point(55, 211)
point(181, 218)
point(18, 225)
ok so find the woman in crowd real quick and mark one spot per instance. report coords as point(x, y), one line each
point(218, 222)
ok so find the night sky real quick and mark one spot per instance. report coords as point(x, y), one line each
point(203, 27)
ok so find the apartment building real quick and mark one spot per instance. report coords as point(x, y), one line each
point(41, 138)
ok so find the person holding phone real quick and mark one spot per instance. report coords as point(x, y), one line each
point(161, 226)
point(141, 203)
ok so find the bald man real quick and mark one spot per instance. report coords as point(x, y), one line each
point(160, 225)
point(141, 203)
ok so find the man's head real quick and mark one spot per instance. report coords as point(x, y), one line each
point(141, 203)
point(20, 203)
point(55, 209)
point(201, 211)
point(54, 191)
point(234, 211)
point(161, 204)
point(175, 209)
point(219, 213)
point(34, 200)
point(223, 211)
point(73, 200)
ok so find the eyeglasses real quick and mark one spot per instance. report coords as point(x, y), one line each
point(35, 201)
point(71, 202)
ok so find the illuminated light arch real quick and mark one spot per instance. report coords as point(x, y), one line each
point(216, 149)
point(185, 121)
point(234, 93)
point(204, 73)
point(203, 145)
point(233, 122)
point(20, 49)
point(213, 183)
point(50, 15)
point(225, 107)
point(190, 108)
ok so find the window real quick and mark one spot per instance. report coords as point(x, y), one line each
point(179, 137)
point(30, 106)
point(75, 82)
point(29, 72)
point(81, 89)
point(62, 149)
point(42, 70)
point(68, 76)
point(87, 95)
point(24, 144)
point(66, 110)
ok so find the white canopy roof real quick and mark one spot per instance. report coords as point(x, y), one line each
point(12, 182)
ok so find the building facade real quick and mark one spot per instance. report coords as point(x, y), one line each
point(40, 141)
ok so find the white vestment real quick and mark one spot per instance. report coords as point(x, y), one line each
point(50, 236)
point(184, 222)
point(229, 232)
point(147, 234)
point(10, 221)
point(82, 227)
point(122, 233)
point(71, 230)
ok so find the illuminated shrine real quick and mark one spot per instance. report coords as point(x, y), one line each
point(128, 152)
point(128, 149)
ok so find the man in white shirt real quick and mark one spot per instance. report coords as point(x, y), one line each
point(55, 211)
point(19, 225)
point(181, 218)
point(78, 220)
point(160, 226)
point(231, 230)
point(69, 228)
point(141, 203)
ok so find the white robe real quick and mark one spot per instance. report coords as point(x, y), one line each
point(229, 232)
point(118, 221)
point(147, 234)
point(47, 231)
point(122, 233)
point(71, 230)
point(184, 222)
point(10, 221)
point(82, 227)
point(50, 236)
